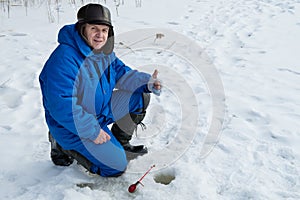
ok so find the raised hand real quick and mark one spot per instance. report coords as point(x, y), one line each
point(155, 84)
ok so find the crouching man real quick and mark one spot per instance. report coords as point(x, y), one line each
point(85, 87)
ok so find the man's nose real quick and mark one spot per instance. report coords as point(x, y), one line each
point(99, 34)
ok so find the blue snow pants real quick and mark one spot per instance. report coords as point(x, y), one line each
point(109, 159)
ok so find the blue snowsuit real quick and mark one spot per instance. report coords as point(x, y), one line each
point(83, 92)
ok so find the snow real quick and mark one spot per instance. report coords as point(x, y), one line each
point(251, 45)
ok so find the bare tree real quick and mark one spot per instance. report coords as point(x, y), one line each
point(54, 6)
point(26, 6)
point(57, 9)
point(138, 3)
point(50, 15)
point(117, 4)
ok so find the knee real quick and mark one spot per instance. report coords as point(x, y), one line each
point(122, 164)
point(109, 171)
point(115, 166)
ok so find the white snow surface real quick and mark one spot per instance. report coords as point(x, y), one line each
point(253, 44)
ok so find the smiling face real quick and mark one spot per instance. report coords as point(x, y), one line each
point(96, 35)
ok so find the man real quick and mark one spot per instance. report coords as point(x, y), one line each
point(85, 88)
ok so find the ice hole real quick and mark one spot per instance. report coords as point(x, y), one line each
point(165, 177)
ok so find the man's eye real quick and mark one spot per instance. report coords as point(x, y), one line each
point(93, 28)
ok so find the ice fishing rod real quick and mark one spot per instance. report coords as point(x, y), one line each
point(132, 187)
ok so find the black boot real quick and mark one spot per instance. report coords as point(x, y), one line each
point(124, 135)
point(62, 157)
point(124, 128)
point(58, 157)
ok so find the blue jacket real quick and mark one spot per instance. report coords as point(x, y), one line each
point(77, 86)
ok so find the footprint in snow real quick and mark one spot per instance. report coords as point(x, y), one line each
point(289, 71)
point(142, 22)
point(242, 177)
point(286, 154)
point(18, 34)
point(41, 151)
point(173, 23)
point(257, 118)
point(11, 97)
point(5, 129)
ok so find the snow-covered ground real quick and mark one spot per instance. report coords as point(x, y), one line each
point(253, 44)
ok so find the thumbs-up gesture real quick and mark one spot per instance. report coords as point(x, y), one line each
point(154, 84)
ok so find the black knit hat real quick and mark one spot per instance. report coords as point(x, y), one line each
point(96, 14)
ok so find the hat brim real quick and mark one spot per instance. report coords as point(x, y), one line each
point(99, 22)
